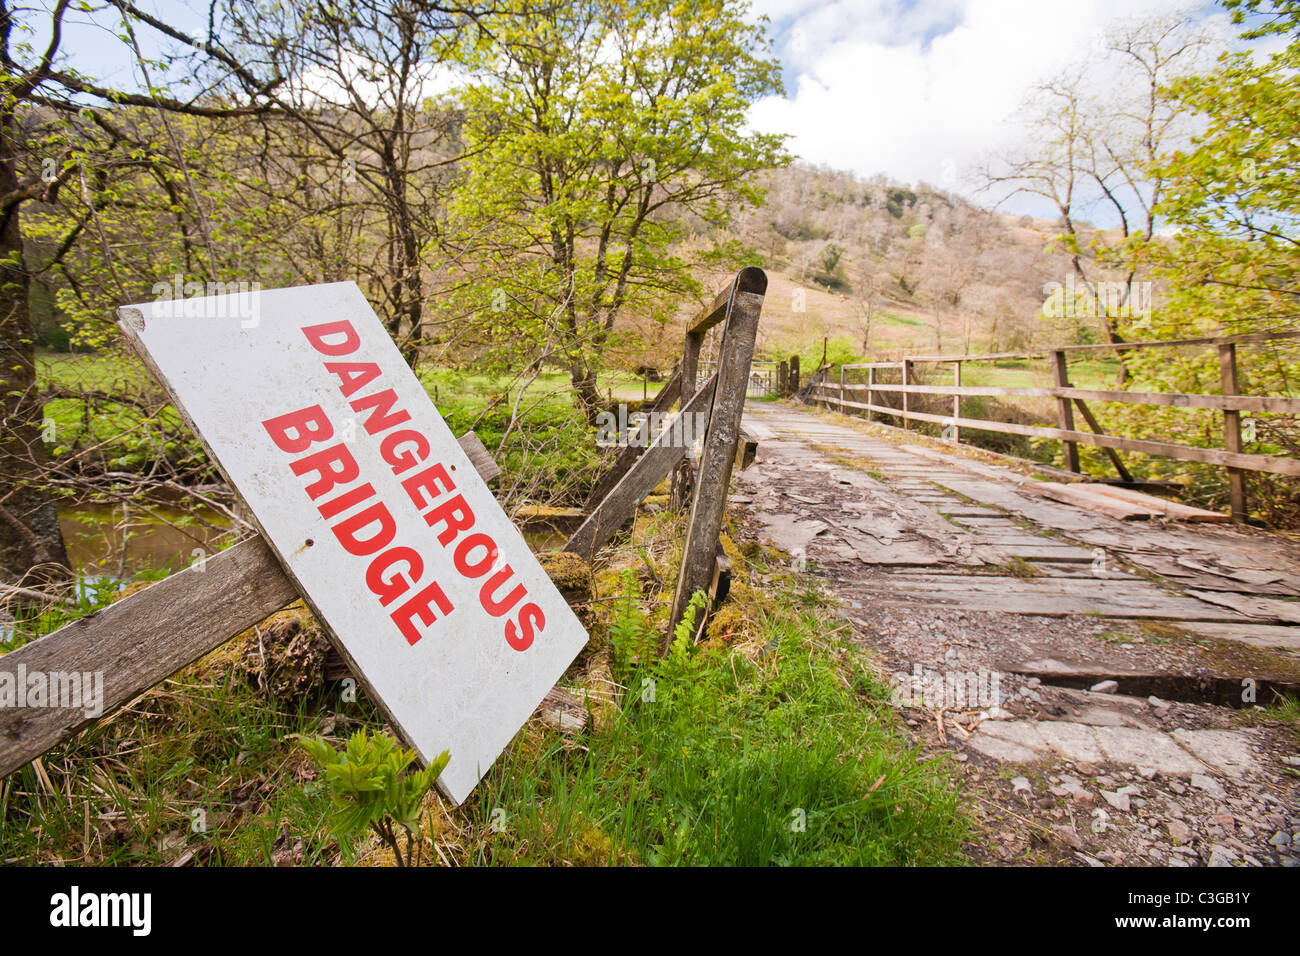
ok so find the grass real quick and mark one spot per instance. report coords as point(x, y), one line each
point(551, 444)
point(771, 744)
point(791, 757)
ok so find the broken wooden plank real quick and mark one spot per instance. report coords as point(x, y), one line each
point(1263, 608)
point(479, 456)
point(1160, 506)
point(628, 454)
point(141, 640)
point(746, 449)
point(652, 467)
point(1078, 496)
point(563, 710)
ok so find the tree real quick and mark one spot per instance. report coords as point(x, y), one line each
point(1233, 262)
point(63, 120)
point(591, 128)
point(358, 150)
point(1095, 145)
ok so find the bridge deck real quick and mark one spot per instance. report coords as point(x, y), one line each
point(947, 562)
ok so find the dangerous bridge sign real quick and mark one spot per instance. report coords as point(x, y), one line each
point(394, 541)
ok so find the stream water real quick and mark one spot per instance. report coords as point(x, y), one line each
point(117, 541)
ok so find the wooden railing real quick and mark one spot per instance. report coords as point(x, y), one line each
point(851, 397)
point(719, 401)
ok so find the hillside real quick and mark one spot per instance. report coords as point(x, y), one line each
point(888, 269)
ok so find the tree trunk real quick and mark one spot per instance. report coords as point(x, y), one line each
point(585, 391)
point(29, 518)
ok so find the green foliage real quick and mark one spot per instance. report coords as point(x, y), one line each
point(592, 129)
point(717, 758)
point(1233, 264)
point(370, 787)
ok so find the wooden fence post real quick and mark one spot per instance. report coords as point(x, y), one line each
point(699, 554)
point(956, 401)
point(794, 374)
point(871, 399)
point(1065, 411)
point(1232, 430)
point(907, 380)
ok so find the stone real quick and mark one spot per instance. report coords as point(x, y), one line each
point(1016, 741)
point(1074, 742)
point(1221, 856)
point(1280, 838)
point(1211, 786)
point(1105, 687)
point(1224, 820)
point(1021, 783)
point(1068, 836)
point(1179, 831)
point(1120, 801)
point(1146, 748)
point(1227, 751)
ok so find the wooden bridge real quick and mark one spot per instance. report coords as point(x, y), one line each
point(1129, 646)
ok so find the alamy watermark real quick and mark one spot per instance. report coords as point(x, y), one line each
point(949, 689)
point(1116, 300)
point(233, 300)
point(62, 690)
point(639, 429)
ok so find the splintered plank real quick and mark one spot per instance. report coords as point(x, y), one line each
point(1159, 506)
point(1256, 607)
point(652, 467)
point(143, 639)
point(1081, 497)
point(1257, 635)
point(1054, 597)
point(999, 495)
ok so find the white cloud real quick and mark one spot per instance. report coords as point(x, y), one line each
point(921, 90)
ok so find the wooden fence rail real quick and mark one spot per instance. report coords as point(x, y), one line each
point(852, 396)
point(719, 402)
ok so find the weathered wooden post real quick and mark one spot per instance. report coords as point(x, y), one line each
point(956, 400)
point(1232, 430)
point(794, 374)
point(1065, 411)
point(843, 393)
point(907, 380)
point(871, 381)
point(740, 314)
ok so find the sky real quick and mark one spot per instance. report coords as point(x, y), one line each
point(919, 90)
point(923, 89)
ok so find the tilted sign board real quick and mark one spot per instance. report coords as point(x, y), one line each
point(393, 539)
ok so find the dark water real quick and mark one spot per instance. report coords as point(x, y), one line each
point(119, 541)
